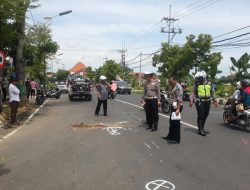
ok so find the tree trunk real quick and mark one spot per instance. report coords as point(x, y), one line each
point(20, 62)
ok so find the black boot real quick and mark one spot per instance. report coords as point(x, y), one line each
point(149, 127)
point(155, 127)
point(203, 129)
point(200, 129)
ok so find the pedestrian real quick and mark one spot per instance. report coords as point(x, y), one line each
point(28, 89)
point(33, 85)
point(203, 93)
point(152, 96)
point(4, 87)
point(102, 95)
point(176, 97)
point(14, 99)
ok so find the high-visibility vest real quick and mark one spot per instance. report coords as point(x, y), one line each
point(204, 91)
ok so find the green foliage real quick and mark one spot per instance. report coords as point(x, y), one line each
point(39, 47)
point(62, 74)
point(241, 66)
point(90, 73)
point(110, 69)
point(179, 61)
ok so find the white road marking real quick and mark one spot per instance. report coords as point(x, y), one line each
point(159, 184)
point(25, 123)
point(147, 145)
point(187, 124)
point(123, 122)
point(155, 145)
point(114, 131)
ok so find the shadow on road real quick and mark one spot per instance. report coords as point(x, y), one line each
point(234, 127)
point(4, 170)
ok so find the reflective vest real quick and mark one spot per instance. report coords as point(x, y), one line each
point(204, 91)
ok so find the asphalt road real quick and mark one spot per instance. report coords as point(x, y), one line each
point(48, 154)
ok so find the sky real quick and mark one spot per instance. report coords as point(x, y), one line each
point(97, 29)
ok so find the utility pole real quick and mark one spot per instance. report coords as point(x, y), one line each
point(123, 58)
point(170, 29)
point(106, 58)
point(140, 70)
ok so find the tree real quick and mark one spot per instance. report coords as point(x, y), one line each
point(111, 69)
point(62, 74)
point(90, 73)
point(194, 54)
point(38, 49)
point(241, 66)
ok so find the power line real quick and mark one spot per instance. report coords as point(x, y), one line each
point(231, 38)
point(149, 55)
point(203, 6)
point(231, 32)
point(181, 11)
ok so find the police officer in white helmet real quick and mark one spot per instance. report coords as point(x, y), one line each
point(203, 93)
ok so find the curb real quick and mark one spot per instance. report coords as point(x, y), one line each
point(25, 123)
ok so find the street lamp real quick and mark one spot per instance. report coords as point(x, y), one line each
point(50, 19)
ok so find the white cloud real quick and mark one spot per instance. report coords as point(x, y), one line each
point(105, 24)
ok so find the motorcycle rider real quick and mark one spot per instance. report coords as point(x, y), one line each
point(245, 84)
point(202, 94)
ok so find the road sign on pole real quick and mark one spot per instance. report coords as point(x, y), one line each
point(2, 59)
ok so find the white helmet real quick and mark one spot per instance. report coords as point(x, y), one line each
point(238, 85)
point(200, 74)
point(103, 77)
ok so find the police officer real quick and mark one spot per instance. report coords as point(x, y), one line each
point(203, 93)
point(143, 100)
point(152, 97)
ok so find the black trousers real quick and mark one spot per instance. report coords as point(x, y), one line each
point(105, 106)
point(145, 109)
point(4, 90)
point(14, 106)
point(28, 91)
point(152, 112)
point(203, 108)
point(33, 92)
point(174, 128)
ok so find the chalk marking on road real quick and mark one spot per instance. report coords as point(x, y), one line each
point(147, 145)
point(114, 130)
point(187, 124)
point(155, 145)
point(159, 184)
point(244, 141)
point(25, 123)
point(123, 122)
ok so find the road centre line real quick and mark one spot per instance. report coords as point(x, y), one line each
point(187, 124)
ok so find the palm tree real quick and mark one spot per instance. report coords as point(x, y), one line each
point(241, 66)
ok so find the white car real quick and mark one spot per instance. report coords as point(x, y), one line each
point(62, 85)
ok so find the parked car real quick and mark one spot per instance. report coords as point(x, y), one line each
point(62, 86)
point(123, 87)
point(80, 88)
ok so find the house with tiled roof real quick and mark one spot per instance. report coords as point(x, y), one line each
point(78, 70)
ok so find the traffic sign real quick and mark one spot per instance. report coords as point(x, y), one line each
point(2, 59)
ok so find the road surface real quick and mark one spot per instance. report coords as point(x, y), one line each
point(117, 152)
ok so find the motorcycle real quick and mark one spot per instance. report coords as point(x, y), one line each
point(165, 103)
point(40, 97)
point(186, 96)
point(112, 94)
point(241, 119)
point(53, 93)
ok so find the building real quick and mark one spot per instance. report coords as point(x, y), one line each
point(78, 70)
